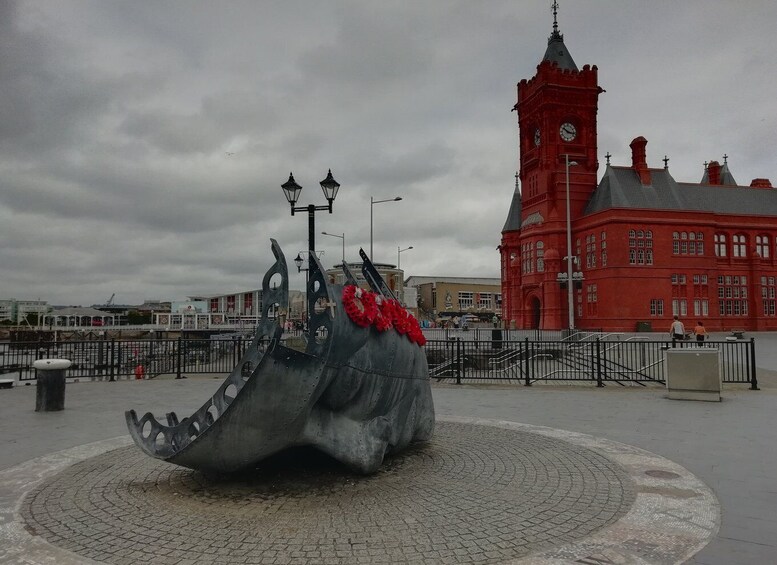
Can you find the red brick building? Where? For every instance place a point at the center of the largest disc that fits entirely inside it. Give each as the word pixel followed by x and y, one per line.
pixel 644 246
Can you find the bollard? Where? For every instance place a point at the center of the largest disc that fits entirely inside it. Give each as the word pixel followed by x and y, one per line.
pixel 50 393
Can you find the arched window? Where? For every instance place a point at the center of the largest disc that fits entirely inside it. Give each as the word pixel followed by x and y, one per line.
pixel 540 257
pixel 762 245
pixel 720 245
pixel 738 246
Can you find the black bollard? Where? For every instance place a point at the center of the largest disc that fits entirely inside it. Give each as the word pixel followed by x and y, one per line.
pixel 496 339
pixel 50 393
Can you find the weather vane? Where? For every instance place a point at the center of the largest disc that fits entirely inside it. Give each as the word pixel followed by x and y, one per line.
pixel 554 9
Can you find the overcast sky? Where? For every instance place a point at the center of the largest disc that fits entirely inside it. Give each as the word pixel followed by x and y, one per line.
pixel 143 144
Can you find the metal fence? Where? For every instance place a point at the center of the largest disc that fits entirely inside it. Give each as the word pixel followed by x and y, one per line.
pixel 122 359
pixel 586 358
pixel 516 357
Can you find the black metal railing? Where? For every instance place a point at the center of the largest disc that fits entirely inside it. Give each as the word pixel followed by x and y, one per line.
pixel 491 356
pixel 121 359
pixel 632 361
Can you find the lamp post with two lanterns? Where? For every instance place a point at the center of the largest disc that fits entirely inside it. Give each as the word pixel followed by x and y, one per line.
pixel 292 190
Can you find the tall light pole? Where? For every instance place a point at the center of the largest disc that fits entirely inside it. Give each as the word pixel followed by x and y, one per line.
pixel 399 269
pixel 291 190
pixel 399 252
pixel 372 203
pixel 570 283
pixel 338 236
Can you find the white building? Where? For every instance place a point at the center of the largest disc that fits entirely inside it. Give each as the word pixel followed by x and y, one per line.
pixel 16 311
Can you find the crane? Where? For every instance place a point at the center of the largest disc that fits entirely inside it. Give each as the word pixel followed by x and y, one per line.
pixel 110 300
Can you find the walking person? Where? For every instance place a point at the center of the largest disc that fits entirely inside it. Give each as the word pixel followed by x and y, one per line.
pixel 677 331
pixel 700 332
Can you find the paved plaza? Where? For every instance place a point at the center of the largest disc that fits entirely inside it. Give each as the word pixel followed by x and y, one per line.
pixel 619 475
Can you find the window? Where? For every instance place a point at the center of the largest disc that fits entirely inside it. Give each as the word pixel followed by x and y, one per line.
pixel 732 295
pixel 720 245
pixel 485 301
pixel 687 243
pixel 591 300
pixel 656 307
pixel 465 300
pixel 527 258
pixel 641 240
pixel 768 293
pixel 590 251
pixel 540 255
pixel 738 248
pixel 762 245
pixel 701 308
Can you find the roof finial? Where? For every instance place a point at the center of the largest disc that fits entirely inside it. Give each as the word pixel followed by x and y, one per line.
pixel 517 182
pixel 608 158
pixel 705 165
pixel 666 162
pixel 725 159
pixel 554 9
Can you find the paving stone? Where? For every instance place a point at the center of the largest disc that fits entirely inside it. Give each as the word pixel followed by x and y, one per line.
pixel 449 498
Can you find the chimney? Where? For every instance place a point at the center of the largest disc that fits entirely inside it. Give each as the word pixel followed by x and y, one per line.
pixel 761 183
pixel 713 173
pixel 638 159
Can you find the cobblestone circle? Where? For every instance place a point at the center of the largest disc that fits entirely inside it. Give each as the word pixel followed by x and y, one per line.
pixel 474 494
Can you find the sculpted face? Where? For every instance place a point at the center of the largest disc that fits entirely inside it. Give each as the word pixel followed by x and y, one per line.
pixel 355 393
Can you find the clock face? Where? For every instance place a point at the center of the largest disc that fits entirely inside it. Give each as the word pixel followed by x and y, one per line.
pixel 537 136
pixel 567 131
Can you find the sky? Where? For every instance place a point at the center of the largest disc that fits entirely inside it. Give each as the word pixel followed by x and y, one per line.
pixel 143 144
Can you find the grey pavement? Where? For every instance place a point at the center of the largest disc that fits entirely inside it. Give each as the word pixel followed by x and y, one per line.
pixel 728 445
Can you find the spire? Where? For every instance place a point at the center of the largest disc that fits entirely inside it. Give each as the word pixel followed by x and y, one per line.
pixel 513 222
pixel 557 52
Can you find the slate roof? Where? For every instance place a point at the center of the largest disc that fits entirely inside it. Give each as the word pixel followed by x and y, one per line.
pixel 514 214
pixel 725 176
pixel 620 187
pixel 557 52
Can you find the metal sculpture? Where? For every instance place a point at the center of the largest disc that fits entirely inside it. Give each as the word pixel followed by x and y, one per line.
pixel 355 393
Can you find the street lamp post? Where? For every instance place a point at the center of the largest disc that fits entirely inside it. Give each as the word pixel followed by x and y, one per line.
pixel 399 252
pixel 291 190
pixel 570 283
pixel 338 236
pixel 399 269
pixel 372 203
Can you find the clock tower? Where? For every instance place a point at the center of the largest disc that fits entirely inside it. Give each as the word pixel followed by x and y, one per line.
pixel 557 124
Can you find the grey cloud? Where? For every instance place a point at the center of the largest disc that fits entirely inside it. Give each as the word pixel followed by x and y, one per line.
pixel 142 145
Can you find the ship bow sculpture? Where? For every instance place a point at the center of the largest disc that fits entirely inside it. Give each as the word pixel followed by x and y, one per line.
pixel 358 390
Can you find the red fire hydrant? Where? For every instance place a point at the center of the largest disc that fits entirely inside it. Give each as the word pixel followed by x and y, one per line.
pixel 139 373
